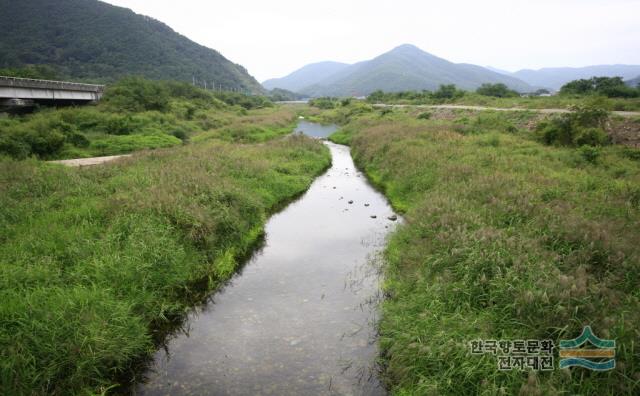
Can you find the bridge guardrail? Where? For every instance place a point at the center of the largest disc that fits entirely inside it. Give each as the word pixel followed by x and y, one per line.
pixel 49 84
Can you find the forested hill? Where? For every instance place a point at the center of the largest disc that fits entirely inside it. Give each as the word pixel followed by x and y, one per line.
pixel 94 41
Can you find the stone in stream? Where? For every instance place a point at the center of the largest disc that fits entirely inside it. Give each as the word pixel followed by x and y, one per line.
pixel 350 202
pixel 374 216
pixel 366 204
pixel 393 217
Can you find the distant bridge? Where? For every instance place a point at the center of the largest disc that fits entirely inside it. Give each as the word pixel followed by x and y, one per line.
pixel 17 92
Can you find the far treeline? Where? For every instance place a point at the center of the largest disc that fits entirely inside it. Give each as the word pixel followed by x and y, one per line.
pixel 623 97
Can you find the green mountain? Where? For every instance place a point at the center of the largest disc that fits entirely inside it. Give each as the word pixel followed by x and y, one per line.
pixel 308 75
pixel 556 77
pixel 406 68
pixel 93 41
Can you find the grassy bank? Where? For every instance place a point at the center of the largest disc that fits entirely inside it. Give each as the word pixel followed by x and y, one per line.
pixel 135 114
pixel 94 262
pixel 505 238
pixel 534 102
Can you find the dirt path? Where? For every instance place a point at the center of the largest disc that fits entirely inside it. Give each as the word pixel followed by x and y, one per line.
pixel 89 161
pixel 482 108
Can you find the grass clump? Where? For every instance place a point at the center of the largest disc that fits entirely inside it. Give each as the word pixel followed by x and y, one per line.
pixel 505 238
pixel 95 263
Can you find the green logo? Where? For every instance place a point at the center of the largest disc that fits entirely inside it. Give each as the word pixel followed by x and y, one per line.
pixel 572 355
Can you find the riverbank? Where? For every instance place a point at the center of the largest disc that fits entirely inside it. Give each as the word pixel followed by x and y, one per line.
pixel 505 238
pixel 96 261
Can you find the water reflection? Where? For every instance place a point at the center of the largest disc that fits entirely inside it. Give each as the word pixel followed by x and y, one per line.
pixel 315 130
pixel 300 318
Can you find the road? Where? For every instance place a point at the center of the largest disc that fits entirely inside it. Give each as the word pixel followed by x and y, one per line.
pixel 89 161
pixel 482 108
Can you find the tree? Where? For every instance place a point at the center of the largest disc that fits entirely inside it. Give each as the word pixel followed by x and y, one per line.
pixel 497 90
pixel 613 87
pixel 448 91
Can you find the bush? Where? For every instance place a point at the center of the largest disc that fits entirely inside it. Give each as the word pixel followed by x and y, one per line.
pixel 448 92
pixel 583 126
pixel 612 87
pixel 590 137
pixel 323 103
pixel 119 125
pixel 136 94
pixel 424 116
pixel 497 90
pixel 590 154
pixel 385 110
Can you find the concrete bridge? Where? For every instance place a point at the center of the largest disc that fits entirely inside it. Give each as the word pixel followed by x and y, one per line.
pixel 17 92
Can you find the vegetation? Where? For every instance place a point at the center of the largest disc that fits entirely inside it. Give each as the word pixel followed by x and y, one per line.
pixel 280 95
pixel 95 41
pixel 531 101
pixel 497 90
pixel 612 87
pixel 585 126
pixel 39 72
pixel 504 238
pixel 135 114
pixel 97 263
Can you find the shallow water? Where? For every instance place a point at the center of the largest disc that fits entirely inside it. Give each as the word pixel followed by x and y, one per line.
pixel 300 317
pixel 316 130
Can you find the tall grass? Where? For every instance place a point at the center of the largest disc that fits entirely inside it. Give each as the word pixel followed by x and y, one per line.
pixel 95 262
pixel 505 238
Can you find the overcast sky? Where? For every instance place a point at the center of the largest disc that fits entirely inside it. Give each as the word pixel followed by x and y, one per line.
pixel 272 38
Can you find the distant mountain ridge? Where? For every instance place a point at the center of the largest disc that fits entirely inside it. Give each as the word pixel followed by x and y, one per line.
pixel 308 75
pixel 556 77
pixel 94 41
pixel 403 68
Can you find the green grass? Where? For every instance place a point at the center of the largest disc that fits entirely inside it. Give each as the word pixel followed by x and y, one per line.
pixel 534 102
pixel 505 238
pixel 95 263
pixel 137 114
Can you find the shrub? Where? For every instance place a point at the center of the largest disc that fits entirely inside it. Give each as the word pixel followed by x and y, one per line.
pixel 323 103
pixel 117 125
pixel 583 126
pixel 496 90
pixel 590 137
pixel 385 110
pixel 612 87
pixel 136 94
pixel 448 92
pixel 590 154
pixel 424 116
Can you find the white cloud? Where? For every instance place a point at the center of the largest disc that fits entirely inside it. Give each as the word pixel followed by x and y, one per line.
pixel 274 37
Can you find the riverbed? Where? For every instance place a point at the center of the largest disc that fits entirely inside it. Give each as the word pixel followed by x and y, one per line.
pixel 300 318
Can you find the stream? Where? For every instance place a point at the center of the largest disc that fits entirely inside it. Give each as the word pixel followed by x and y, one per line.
pixel 300 317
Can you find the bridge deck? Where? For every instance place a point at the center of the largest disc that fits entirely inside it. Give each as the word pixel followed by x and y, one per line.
pixel 26 88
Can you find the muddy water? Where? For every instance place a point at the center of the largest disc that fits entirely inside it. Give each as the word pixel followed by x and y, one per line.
pixel 300 317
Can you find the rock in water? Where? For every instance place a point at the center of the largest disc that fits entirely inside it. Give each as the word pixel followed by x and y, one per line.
pixel 393 217
pixel 374 216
